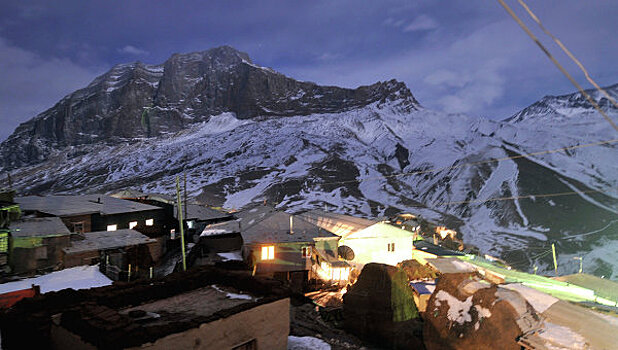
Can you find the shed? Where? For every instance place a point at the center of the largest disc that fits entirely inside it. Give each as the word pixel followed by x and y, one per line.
pixel 36 244
pixel 114 250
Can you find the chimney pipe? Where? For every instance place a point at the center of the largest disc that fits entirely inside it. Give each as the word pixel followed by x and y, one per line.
pixel 291 225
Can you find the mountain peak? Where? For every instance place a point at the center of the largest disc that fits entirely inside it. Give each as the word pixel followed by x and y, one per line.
pixel 225 54
pixel 563 106
pixel 137 100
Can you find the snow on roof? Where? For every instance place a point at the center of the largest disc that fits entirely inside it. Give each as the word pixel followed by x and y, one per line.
pixel 234 255
pixel 81 277
pixel 539 300
pixel 451 265
pixel 221 228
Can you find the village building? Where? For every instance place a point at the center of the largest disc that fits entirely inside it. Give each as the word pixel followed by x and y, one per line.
pixel 288 247
pixel 35 244
pixel 221 237
pixel 368 240
pixel 197 217
pixel 205 308
pixel 96 213
pixel 9 211
pixel 121 254
pixel 91 213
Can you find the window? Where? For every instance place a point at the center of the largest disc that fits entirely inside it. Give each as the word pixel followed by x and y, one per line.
pixel 78 227
pixel 306 252
pixel 4 242
pixel 268 252
pixel 391 247
pixel 250 345
pixel 149 222
pixel 113 227
pixel 132 225
pixel 190 224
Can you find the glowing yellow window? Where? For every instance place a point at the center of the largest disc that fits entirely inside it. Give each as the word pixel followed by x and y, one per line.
pixel 268 252
pixel 149 222
pixel 132 224
pixel 112 227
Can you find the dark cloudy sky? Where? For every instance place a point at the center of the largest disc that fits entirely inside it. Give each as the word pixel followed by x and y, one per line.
pixel 457 56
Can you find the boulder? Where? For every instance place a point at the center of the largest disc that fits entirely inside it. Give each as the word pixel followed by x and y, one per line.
pixel 380 308
pixel 465 312
pixel 416 271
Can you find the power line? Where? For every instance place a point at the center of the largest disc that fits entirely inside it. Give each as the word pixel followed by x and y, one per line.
pixel 462 165
pixel 571 56
pixel 557 64
pixel 542 195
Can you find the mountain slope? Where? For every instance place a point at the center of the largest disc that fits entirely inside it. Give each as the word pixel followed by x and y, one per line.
pixel 138 100
pixel 371 151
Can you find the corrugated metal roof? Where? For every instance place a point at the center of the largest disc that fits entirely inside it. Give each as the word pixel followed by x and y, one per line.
pixel 103 240
pixel 340 224
pixel 435 249
pixel 38 227
pixel 221 228
pixel 274 227
pixel 81 205
pixel 200 212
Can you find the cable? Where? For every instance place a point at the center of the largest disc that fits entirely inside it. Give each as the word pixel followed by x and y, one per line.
pixel 577 62
pixel 542 195
pixel 566 74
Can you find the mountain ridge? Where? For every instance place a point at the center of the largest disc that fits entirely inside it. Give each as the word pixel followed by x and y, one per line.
pixel 138 100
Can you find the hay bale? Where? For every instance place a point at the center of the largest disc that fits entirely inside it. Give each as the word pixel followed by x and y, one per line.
pixel 467 313
pixel 380 308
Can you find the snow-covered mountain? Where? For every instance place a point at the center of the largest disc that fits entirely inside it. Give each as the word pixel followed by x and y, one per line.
pixel 245 133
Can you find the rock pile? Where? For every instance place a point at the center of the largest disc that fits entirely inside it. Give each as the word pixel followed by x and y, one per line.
pixel 465 312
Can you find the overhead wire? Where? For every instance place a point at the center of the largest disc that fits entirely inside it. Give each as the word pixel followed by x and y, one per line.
pixel 462 165
pixel 557 64
pixel 528 196
pixel 565 50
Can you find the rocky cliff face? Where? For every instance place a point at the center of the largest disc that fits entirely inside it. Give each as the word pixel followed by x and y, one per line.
pixel 139 101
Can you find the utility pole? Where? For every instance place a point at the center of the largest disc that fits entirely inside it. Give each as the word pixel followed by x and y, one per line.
pixel 185 176
pixel 182 228
pixel 553 249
